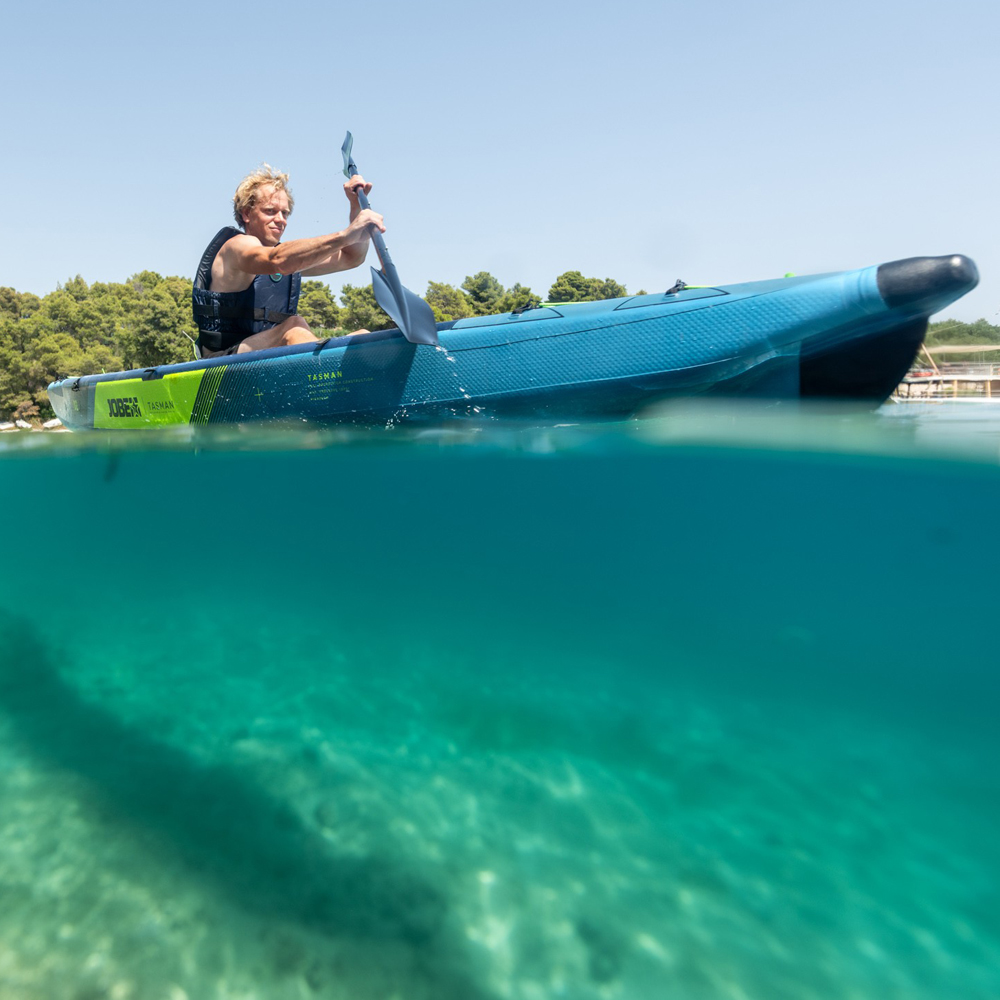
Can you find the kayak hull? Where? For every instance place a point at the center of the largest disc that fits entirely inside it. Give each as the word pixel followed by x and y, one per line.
pixel 849 335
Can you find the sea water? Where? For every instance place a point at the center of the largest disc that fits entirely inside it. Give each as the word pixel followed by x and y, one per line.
pixel 703 706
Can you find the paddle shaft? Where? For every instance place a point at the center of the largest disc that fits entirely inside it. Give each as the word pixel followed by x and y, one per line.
pixel 409 312
pixel 380 248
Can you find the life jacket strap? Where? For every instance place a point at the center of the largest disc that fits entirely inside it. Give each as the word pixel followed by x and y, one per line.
pixel 223 310
pixel 271 316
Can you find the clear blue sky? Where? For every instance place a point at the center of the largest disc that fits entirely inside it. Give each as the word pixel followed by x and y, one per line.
pixel 714 142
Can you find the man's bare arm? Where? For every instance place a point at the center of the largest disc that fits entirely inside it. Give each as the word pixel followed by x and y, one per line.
pixel 248 255
pixel 342 260
pixel 353 255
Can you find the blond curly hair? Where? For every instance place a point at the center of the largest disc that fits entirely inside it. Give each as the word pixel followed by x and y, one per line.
pixel 246 193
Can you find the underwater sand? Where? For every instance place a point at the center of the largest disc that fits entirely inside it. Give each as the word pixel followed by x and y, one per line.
pixel 694 710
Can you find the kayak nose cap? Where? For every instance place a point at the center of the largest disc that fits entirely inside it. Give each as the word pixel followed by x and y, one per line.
pixel 916 280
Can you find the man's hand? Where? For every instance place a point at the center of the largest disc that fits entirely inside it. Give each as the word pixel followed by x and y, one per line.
pixel 351 189
pixel 359 229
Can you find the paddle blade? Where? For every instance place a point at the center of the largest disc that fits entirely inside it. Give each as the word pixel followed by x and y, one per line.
pixel 409 312
pixel 346 151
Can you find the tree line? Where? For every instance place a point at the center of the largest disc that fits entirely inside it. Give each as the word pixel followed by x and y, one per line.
pixel 954 331
pixel 146 321
pixel 81 329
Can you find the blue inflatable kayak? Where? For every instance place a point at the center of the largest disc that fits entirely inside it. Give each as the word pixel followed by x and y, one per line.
pixel 850 335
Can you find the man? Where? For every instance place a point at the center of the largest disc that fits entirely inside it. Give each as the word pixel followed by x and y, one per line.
pixel 247 288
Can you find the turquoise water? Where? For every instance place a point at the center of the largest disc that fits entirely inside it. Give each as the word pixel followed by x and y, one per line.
pixel 702 707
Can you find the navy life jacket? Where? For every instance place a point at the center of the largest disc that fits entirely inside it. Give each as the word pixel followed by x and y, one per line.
pixel 226 318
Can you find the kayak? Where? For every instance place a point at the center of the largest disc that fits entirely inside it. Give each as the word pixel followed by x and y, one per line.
pixel 848 335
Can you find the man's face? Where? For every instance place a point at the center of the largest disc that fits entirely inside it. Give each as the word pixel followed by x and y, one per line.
pixel 268 217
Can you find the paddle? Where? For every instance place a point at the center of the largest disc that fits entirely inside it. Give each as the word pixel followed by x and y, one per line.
pixel 409 312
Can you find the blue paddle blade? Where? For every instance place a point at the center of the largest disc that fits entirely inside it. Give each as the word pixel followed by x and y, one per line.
pixel 408 311
pixel 346 152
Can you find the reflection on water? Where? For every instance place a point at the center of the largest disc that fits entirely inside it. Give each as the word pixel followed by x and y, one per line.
pixel 701 707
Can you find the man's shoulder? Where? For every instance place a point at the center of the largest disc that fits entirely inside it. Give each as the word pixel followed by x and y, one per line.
pixel 225 236
pixel 237 238
pixel 218 256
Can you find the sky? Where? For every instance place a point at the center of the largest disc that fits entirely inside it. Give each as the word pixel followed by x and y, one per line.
pixel 716 142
